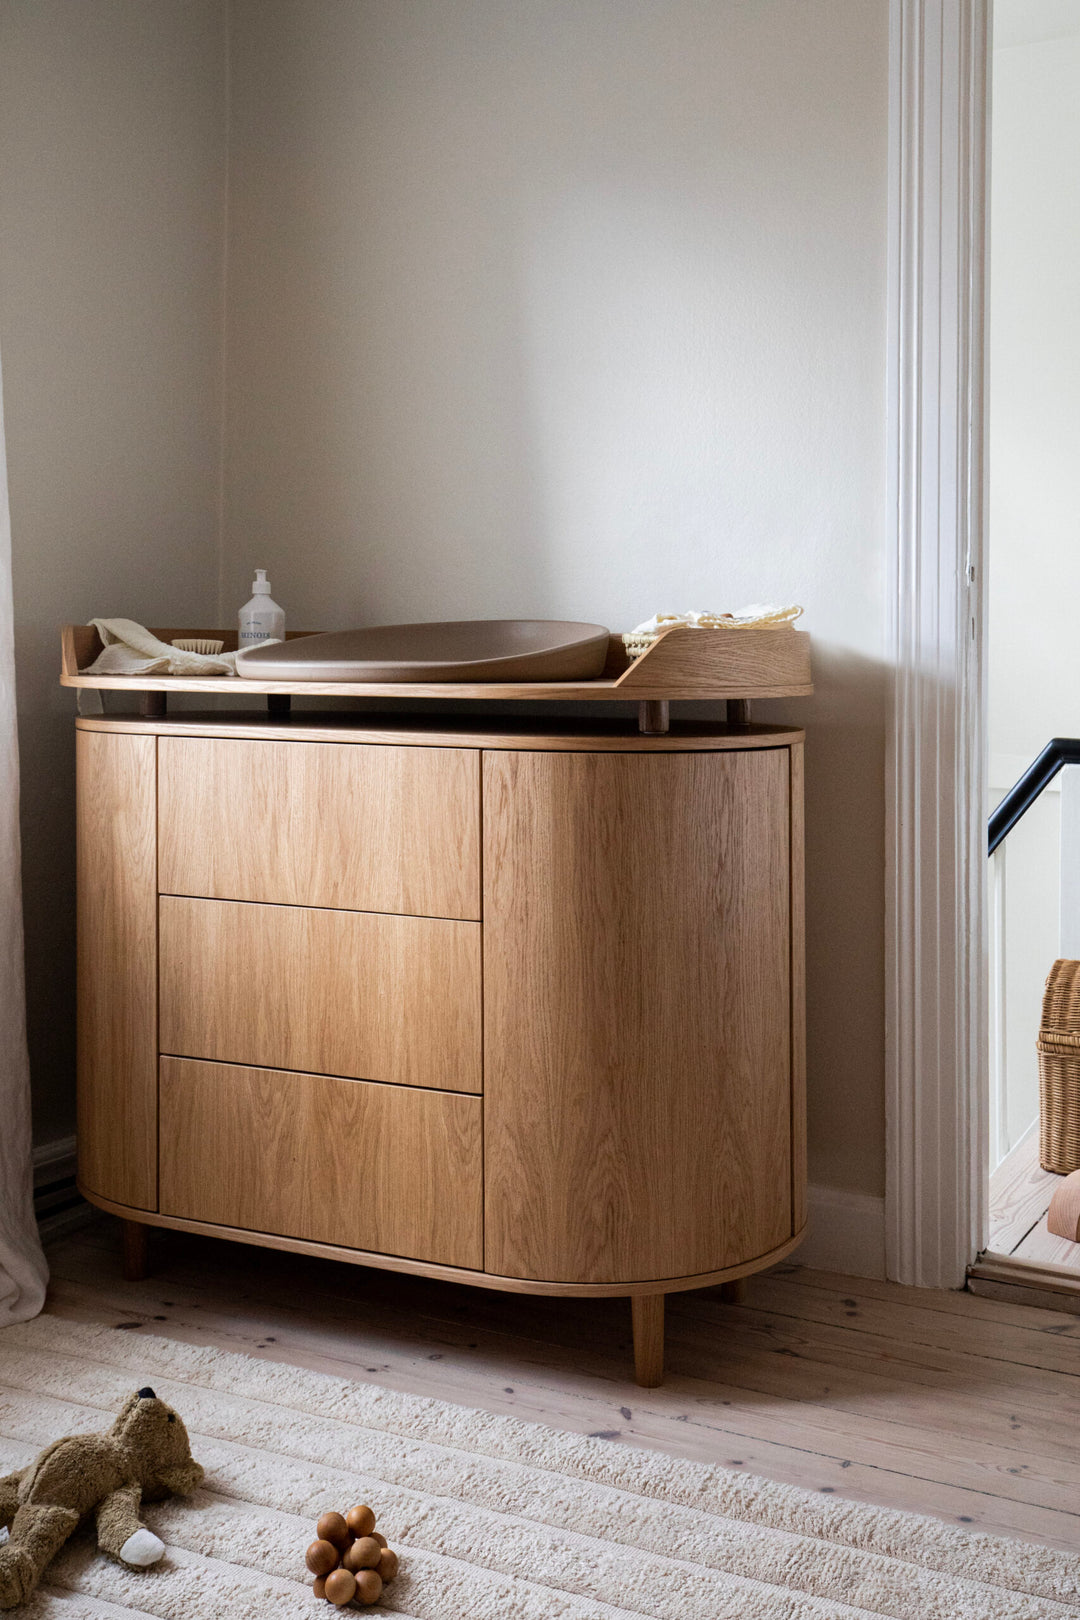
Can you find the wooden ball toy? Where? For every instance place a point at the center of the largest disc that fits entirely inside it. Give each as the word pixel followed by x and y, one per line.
pixel 319 1589
pixel 381 1539
pixel 322 1557
pixel 363 1554
pixel 332 1527
pixel 360 1520
pixel 368 1586
pixel 340 1587
pixel 387 1565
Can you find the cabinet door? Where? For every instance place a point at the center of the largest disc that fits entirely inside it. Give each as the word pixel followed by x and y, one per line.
pixel 337 992
pixel 117 966
pixel 637 987
pixel 371 1167
pixel 365 827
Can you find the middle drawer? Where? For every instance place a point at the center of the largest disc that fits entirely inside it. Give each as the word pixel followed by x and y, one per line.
pixel 361 994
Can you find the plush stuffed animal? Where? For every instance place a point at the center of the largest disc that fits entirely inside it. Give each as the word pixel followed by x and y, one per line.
pixel 144 1457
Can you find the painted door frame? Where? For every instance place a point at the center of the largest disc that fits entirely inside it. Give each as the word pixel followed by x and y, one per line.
pixel 937 1101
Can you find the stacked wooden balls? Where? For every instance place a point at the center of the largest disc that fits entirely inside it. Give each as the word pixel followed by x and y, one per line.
pixel 350 1560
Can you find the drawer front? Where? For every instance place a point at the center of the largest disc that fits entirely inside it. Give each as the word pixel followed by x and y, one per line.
pixel 365 1166
pixel 336 992
pixel 358 826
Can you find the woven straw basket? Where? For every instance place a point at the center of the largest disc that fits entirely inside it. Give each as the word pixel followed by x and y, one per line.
pixel 1059 1070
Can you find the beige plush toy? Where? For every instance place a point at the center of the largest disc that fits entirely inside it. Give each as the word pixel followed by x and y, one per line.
pixel 144 1457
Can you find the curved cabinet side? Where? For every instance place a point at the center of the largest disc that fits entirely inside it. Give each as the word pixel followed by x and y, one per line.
pixel 116 778
pixel 637 970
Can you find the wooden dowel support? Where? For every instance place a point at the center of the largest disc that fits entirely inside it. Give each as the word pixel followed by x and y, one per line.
pixel 136 1238
pixel 153 705
pixel 278 702
pixel 648 1317
pixel 738 711
pixel 734 1293
pixel 654 718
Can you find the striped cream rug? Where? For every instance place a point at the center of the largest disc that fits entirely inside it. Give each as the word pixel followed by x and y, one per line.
pixel 495 1519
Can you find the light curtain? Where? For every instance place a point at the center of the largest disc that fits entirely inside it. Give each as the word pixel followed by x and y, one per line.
pixel 23 1273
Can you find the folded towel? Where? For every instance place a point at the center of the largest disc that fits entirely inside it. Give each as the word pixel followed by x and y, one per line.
pixel 130 649
pixel 758 613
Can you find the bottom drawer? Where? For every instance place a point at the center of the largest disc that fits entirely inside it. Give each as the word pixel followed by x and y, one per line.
pixel 381 1167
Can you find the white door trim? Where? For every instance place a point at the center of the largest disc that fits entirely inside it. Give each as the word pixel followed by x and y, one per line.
pixel 936 1080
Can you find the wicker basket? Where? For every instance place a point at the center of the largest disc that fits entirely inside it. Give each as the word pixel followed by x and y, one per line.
pixel 1058 1047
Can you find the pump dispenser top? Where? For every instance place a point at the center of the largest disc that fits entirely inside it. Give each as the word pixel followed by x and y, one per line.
pixel 261 619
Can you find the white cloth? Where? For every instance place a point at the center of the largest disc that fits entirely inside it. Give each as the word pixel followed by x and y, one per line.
pixel 130 649
pixel 23 1273
pixel 758 613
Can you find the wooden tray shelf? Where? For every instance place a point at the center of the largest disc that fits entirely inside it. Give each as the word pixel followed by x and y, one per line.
pixel 682 664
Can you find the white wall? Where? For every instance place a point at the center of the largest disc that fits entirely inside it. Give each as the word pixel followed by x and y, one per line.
pixel 1034 511
pixel 112 161
pixel 578 310
pixel 1034 663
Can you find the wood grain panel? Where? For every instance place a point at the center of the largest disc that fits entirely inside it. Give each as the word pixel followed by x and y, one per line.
pixel 117 966
pixel 428 1268
pixel 721 663
pixel 574 735
pixel 306 1156
pixel 321 824
pixel 637 991
pixel 335 992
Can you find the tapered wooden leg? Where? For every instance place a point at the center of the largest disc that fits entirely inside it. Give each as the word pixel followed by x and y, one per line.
pixel 136 1251
pixel 648 1315
pixel 734 1293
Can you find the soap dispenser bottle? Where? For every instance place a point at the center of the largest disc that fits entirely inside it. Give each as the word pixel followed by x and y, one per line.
pixel 261 619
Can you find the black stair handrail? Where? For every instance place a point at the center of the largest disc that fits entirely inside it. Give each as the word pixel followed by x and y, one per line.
pixel 1040 773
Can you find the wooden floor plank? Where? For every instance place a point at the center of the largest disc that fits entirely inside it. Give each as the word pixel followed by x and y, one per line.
pixel 800 1391
pixel 1042 1247
pixel 728 1336
pixel 1054 1348
pixel 1008 1394
pixel 1030 1388
pixel 1020 1193
pixel 957 1302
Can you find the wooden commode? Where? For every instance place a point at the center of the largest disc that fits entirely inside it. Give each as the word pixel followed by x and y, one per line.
pixel 512 1003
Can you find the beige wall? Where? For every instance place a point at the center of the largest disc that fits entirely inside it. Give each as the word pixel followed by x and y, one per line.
pixel 579 310
pixel 531 309
pixel 112 148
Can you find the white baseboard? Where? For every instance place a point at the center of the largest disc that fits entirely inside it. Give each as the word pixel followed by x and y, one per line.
pixel 845 1232
pixel 54 1159
pixel 57 1203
